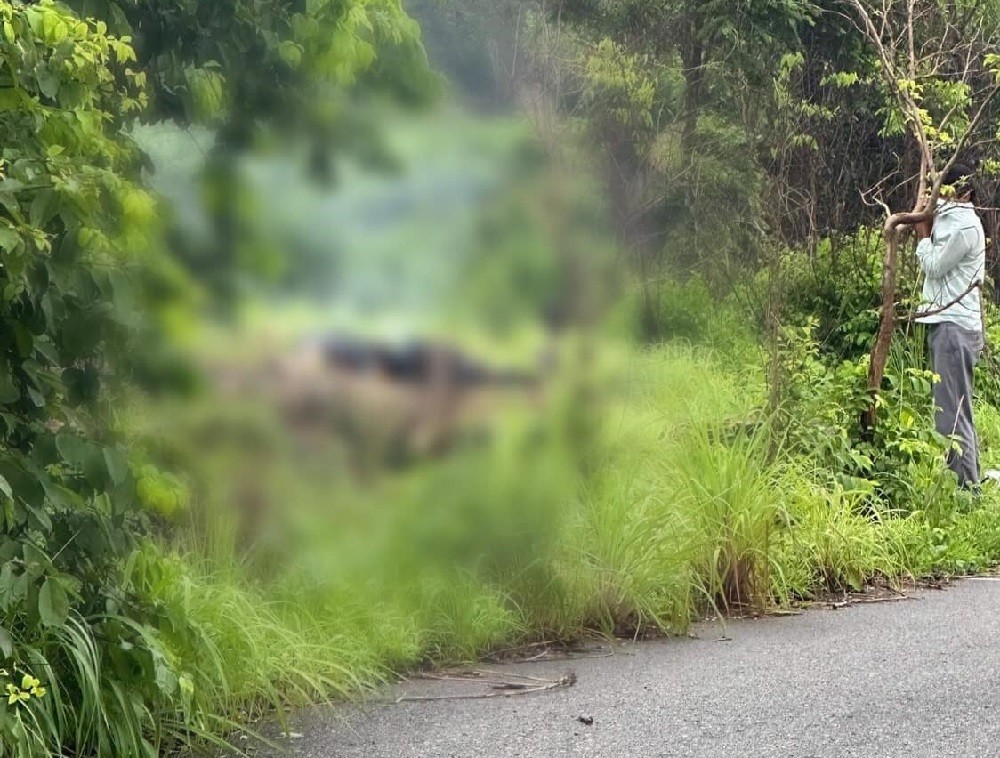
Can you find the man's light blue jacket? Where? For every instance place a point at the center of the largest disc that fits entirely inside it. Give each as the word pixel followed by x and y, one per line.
pixel 952 258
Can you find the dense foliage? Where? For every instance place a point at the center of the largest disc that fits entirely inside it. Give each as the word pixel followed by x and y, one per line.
pixel 722 130
pixel 73 231
pixel 91 662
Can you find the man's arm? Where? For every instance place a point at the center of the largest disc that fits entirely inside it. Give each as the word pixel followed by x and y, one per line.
pixel 924 228
pixel 938 257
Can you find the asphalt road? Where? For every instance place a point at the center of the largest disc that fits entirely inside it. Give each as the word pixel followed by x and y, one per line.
pixel 915 678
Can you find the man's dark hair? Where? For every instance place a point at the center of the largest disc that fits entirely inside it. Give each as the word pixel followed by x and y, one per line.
pixel 962 178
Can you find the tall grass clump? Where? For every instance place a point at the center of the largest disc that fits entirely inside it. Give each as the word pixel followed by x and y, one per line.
pixel 630 559
pixel 727 492
pixel 827 541
pixel 675 517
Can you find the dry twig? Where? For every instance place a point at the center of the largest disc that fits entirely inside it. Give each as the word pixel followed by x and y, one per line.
pixel 500 688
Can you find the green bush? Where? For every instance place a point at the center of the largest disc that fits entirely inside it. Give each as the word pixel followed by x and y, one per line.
pixel 838 286
pixel 987 373
pixel 900 464
pixel 828 542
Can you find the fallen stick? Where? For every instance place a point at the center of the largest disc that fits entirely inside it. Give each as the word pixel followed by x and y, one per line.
pixel 567 681
pixel 476 675
pixel 893 599
pixel 552 651
pixel 839 604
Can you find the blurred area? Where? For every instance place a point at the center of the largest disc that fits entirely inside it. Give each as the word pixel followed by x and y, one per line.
pixel 393 353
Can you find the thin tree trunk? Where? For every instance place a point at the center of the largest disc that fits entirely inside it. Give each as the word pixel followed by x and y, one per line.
pixel 887 320
pixel 692 58
pixel 775 370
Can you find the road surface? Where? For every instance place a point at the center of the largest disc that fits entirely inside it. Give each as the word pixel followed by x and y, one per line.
pixel 914 678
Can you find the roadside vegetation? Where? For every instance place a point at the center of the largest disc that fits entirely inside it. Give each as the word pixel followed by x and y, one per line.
pixel 660 219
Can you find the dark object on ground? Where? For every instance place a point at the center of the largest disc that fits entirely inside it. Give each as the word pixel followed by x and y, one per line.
pixel 385 405
pixel 416 361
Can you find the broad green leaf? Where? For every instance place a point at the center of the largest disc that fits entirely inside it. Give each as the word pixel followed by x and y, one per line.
pixel 114 459
pixel 9 393
pixel 6 643
pixel 49 83
pixel 9 239
pixel 74 449
pixel 43 208
pixel 53 603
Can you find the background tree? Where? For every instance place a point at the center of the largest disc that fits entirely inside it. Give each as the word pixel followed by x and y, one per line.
pixel 941 78
pixel 246 68
pixel 73 231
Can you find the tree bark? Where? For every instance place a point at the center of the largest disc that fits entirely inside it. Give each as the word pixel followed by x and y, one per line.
pixel 692 58
pixel 887 320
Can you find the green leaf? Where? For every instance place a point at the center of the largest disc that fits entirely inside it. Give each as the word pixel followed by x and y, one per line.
pixel 86 457
pixel 43 208
pixel 290 53
pixel 19 587
pixel 9 239
pixel 25 484
pixel 166 679
pixel 5 487
pixel 8 586
pixel 6 643
pixel 24 340
pixel 73 449
pixel 9 393
pixel 48 82
pixel 35 559
pixel 114 459
pixel 41 518
pixel 44 345
pixel 53 603
pixel 10 99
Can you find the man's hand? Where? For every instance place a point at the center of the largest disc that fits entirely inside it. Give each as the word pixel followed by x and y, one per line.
pixel 924 228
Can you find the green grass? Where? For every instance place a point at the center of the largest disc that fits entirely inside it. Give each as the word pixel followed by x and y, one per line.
pixel 642 513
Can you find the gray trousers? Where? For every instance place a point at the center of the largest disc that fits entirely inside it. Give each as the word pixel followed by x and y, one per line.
pixel 954 353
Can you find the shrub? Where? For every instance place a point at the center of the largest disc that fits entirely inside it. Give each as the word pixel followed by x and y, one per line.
pixel 900 467
pixel 838 286
pixel 75 269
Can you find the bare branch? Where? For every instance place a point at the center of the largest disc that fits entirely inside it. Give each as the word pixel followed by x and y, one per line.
pixel 914 315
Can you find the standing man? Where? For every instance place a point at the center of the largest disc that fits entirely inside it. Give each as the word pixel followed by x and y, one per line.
pixel 952 254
